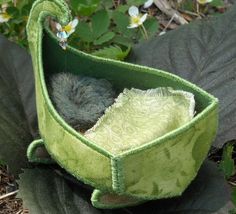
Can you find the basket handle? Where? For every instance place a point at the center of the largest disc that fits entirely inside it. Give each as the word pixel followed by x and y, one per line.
pixel 40 10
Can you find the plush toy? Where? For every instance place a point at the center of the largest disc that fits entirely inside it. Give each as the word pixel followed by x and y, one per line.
pixel 80 100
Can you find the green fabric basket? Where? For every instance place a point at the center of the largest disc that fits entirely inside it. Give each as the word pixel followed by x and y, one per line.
pixel 162 168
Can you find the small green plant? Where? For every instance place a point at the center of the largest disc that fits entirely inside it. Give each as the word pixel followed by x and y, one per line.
pixel 233 195
pixel 2 162
pixel 16 16
pixel 228 168
pixel 227 162
pixel 102 29
pixel 201 7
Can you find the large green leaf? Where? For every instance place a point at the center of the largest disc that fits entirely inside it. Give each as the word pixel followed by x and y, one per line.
pixel 104 38
pixel 100 23
pixel 17 105
pixel 204 53
pixel 122 21
pixel 84 31
pixel 44 192
pixel 206 194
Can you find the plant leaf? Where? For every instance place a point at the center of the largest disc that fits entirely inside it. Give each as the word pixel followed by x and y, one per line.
pixel 227 162
pixel 208 193
pixel 85 7
pixel 17 105
pixel 100 23
pixel 122 40
pixel 104 38
pixel 204 53
pixel 43 192
pixel 4 1
pixel 135 2
pixel 122 21
pixel 122 8
pixel 152 26
pixel 234 196
pixel 112 52
pixel 84 32
pixel 217 3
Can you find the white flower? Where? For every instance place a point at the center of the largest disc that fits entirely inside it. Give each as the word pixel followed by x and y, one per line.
pixel 4 7
pixel 162 33
pixel 63 33
pixel 4 17
pixel 204 1
pixel 148 3
pixel 136 19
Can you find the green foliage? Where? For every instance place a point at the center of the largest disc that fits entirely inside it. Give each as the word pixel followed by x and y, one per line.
pixel 104 38
pixel 233 199
pixel 100 23
pixel 122 21
pixel 4 1
pixel 210 8
pixel 187 5
pixel 2 162
pixel 44 191
pixel 85 32
pixel 233 194
pixel 102 26
pixel 136 2
pixel 84 7
pixel 227 163
pixel 151 26
pixel 217 3
pixel 104 32
pixel 14 29
pixel 112 52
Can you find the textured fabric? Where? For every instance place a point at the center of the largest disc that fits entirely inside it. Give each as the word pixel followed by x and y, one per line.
pixel 80 100
pixel 140 116
pixel 177 160
pixel 107 200
pixel 158 169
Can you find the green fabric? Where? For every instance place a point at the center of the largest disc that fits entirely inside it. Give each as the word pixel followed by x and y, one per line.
pixel 140 116
pixel 161 168
pixel 36 154
pixel 177 160
pixel 106 200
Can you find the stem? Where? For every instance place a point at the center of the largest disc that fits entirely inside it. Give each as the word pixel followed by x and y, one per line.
pixel 87 46
pixel 114 3
pixel 142 32
pixel 197 8
pixel 8 194
pixel 145 34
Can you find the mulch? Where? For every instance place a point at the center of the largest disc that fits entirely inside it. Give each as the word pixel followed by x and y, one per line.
pixel 9 204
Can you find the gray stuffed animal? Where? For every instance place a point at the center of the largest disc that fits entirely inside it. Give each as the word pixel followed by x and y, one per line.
pixel 80 100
